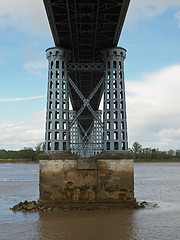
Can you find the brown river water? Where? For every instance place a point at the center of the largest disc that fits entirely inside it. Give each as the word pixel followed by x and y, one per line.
pixel 157 183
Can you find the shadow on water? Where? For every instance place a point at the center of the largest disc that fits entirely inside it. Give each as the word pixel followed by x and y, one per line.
pixel 89 225
pixel 121 224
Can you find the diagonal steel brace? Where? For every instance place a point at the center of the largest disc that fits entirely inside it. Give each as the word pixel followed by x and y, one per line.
pixel 85 132
pixel 86 101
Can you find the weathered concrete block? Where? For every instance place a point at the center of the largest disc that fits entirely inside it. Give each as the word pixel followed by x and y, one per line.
pixel 86 180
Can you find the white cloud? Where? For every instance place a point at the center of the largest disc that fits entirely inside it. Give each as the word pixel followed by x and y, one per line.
pixel 153 109
pixel 35 61
pixel 143 9
pixel 177 16
pixel 36 67
pixel 17 135
pixel 21 99
pixel 27 16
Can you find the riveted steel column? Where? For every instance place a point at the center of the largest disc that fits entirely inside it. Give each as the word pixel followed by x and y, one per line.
pixel 73 132
pixel 57 116
pixel 115 124
pixel 75 136
pixel 94 144
pixel 97 135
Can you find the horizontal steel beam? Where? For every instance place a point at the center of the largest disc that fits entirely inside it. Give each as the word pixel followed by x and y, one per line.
pixel 86 67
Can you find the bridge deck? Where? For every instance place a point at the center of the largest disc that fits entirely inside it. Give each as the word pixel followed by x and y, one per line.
pixel 86 27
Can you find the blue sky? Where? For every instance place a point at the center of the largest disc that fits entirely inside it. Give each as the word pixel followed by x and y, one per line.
pixel 151 35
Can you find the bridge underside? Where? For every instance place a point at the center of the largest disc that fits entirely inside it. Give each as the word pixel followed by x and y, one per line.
pixel 84 65
pixel 84 29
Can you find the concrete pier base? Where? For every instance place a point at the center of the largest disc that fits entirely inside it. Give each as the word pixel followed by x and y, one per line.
pixel 67 179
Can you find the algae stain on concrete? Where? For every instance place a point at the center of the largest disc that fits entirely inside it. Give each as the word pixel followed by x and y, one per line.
pixel 86 181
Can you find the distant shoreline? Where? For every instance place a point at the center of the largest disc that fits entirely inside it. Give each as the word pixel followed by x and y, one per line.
pixel 17 161
pixel 136 161
pixel 157 160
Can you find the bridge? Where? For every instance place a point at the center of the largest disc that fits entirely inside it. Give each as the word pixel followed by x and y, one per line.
pixel 84 66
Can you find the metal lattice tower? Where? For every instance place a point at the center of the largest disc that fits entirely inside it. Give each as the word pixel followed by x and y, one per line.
pixel 115 124
pixel 57 117
pixel 85 66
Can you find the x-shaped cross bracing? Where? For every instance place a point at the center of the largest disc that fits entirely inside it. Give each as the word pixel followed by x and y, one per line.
pixel 86 101
pixel 85 132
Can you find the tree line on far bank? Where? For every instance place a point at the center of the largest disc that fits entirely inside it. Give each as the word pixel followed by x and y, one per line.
pixel 26 154
pixel 140 153
pixel 153 153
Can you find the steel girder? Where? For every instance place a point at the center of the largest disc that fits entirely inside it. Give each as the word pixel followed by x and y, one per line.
pixel 85 27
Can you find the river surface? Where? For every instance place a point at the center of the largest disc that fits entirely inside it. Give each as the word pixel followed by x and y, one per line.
pixel 157 183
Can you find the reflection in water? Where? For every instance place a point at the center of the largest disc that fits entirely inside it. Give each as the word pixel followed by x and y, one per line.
pixel 154 182
pixel 86 225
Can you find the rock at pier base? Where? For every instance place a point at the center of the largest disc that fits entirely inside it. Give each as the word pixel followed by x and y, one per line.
pixel 105 180
pixel 33 206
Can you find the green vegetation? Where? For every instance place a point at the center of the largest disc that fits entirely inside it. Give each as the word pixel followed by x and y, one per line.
pixel 26 154
pixel 153 155
pixel 137 152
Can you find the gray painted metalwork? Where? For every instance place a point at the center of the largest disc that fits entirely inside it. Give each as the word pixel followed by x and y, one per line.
pixel 95 139
pixel 80 74
pixel 86 143
pixel 57 115
pixel 63 134
pixel 115 124
pixel 86 66
pixel 86 101
pixel 85 28
pixel 86 118
pixel 76 143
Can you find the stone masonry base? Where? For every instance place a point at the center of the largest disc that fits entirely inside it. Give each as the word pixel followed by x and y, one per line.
pixel 64 180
